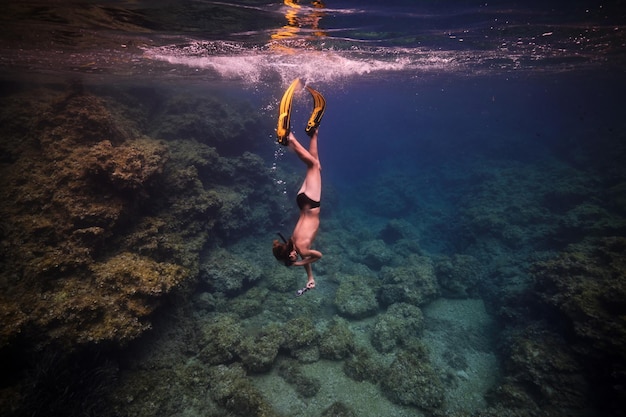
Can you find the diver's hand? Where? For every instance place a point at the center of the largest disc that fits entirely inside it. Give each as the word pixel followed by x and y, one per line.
pixel 310 284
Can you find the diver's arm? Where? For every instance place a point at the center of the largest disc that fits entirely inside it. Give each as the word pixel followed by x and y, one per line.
pixel 308 257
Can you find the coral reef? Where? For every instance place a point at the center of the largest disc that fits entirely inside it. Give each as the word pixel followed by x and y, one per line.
pixel 355 298
pixel 414 282
pixel 398 326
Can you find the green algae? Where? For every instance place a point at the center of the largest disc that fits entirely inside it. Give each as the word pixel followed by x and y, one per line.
pixel 304 385
pixel 337 341
pixel 258 353
pixel 414 282
pixel 231 389
pixel 398 326
pixel 412 380
pixel 355 298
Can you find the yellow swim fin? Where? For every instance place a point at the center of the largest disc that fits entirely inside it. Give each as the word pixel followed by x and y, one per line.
pixel 319 105
pixel 284 114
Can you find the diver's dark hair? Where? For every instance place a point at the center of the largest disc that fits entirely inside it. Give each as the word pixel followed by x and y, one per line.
pixel 282 250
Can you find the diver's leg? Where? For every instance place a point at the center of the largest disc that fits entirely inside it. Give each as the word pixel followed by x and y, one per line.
pixel 313 145
pixel 312 185
pixel 304 155
pixel 310 280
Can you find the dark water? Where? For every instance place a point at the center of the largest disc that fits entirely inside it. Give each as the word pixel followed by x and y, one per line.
pixel 465 142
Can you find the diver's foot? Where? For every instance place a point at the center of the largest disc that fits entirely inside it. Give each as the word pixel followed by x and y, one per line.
pixel 284 140
pixel 319 105
pixel 290 138
pixel 284 114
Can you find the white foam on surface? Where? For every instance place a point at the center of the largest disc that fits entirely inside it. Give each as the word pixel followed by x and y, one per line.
pixel 231 61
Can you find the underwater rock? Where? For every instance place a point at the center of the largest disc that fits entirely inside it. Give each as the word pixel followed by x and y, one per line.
pixel 401 323
pixel 510 396
pixel 541 372
pixel 456 360
pixel 301 339
pixel 375 254
pixel 126 167
pixel 411 380
pixel 337 342
pixel 291 371
pixel 228 196
pixel 209 119
pixel 227 273
pixel 109 306
pixel 414 282
pixel 458 276
pixel 83 260
pixel 588 219
pixel 249 199
pixel 355 298
pixel 587 285
pixel 248 304
pixel 397 229
pixel 363 366
pixel 281 279
pixel 135 275
pixel 259 352
pixel 138 280
pixel 388 195
pixel 585 288
pixel 204 301
pixel 99 222
pixel 338 409
pixel 232 390
pixel 221 339
pixel 307 354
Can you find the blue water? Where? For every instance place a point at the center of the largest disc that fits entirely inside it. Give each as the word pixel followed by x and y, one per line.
pixel 492 133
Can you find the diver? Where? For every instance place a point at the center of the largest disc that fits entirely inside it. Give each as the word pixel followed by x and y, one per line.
pixel 309 196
